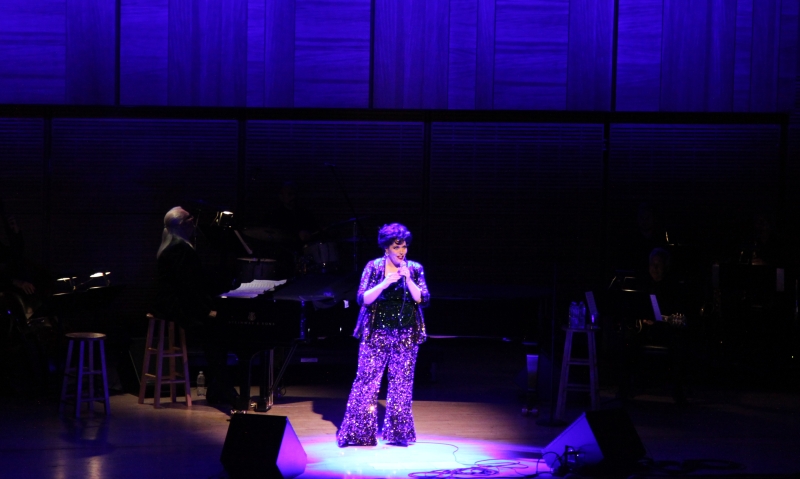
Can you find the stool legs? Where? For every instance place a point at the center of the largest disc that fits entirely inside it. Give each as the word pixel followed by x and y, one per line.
pixel 65 382
pixel 85 345
pixel 593 388
pixel 146 364
pixel 166 333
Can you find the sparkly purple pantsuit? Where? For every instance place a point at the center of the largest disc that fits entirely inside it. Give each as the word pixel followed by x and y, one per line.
pixel 382 348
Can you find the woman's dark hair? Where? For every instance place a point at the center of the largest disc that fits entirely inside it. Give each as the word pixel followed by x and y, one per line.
pixel 393 233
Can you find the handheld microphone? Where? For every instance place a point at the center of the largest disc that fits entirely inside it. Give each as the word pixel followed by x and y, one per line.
pixel 403 278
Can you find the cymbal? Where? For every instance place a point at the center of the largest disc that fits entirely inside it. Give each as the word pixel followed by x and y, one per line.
pixel 267 233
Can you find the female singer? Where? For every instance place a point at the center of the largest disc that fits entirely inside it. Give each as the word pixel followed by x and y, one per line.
pixel 392 294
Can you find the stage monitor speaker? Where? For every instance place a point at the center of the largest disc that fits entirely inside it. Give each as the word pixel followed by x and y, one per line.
pixel 604 440
pixel 261 446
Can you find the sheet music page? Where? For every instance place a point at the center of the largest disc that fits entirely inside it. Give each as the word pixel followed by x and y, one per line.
pixel 253 288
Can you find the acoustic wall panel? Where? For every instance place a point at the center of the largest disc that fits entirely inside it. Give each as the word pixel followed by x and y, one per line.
pixel 375 167
pixel 507 200
pixel 706 181
pixel 22 180
pixel 792 185
pixel 32 48
pixel 531 49
pixel 332 53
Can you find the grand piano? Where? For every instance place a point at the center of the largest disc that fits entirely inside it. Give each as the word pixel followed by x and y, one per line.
pixel 263 315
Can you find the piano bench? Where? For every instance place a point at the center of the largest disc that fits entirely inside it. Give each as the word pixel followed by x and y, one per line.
pixel 165 348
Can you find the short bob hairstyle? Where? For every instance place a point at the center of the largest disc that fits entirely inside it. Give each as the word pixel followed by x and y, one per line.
pixel 393 233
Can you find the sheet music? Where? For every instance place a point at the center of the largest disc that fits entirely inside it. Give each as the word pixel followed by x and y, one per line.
pixel 253 288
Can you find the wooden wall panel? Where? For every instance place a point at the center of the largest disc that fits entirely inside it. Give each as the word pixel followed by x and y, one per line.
pixel 765 57
pixel 270 53
pixel 91 52
pixel 722 55
pixel 256 48
pixel 462 68
pixel 684 56
pixel 32 48
pixel 207 52
pixel 412 53
pixel 673 55
pixel 531 54
pixel 743 55
pixel 589 63
pixel 484 84
pixel 332 53
pixel 788 54
pixel 144 41
pixel 698 55
pixel 639 55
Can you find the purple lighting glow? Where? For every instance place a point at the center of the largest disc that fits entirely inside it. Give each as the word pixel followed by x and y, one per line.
pixel 430 453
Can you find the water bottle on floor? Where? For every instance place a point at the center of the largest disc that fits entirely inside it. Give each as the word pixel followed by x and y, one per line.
pixel 201 385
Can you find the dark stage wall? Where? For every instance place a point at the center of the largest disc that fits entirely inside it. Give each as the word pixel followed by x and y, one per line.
pixel 489 202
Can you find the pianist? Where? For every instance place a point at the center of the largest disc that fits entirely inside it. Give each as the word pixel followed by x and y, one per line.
pixel 391 293
pixel 182 296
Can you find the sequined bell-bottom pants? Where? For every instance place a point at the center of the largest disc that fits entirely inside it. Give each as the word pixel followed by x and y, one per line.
pixel 397 350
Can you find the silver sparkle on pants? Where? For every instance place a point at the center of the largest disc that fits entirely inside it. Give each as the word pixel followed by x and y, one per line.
pixel 397 350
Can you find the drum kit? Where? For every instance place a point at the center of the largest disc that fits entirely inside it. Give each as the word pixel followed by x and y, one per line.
pixel 326 251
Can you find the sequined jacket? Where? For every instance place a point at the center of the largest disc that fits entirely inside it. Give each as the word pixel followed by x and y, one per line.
pixel 372 275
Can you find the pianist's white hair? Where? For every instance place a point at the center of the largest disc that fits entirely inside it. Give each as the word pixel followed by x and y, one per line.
pixel 173 228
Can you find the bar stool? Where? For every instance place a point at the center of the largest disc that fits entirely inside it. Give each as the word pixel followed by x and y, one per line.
pixel 162 351
pixel 81 371
pixel 593 388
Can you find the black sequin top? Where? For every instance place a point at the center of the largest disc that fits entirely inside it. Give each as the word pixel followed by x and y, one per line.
pixel 395 308
pixel 389 311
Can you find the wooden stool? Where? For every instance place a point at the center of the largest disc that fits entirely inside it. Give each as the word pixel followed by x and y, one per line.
pixel 161 351
pixel 81 371
pixel 593 388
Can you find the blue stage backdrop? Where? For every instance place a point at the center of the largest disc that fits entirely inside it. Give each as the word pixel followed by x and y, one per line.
pixel 598 55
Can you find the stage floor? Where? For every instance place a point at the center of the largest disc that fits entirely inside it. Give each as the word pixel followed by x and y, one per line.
pixel 474 418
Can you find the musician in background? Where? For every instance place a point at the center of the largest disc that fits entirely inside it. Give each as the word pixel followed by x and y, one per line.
pixel 392 293
pixel 183 296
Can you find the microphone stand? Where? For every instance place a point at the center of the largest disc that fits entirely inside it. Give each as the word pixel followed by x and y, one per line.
pixel 552 421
